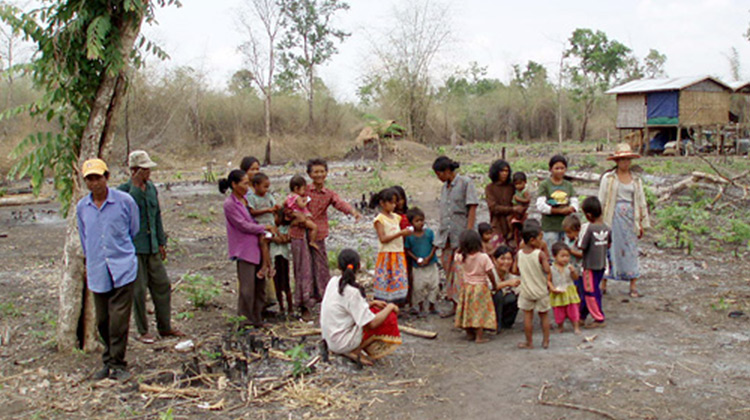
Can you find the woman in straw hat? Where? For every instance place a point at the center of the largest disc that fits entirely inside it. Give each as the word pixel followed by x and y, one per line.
pixel 626 212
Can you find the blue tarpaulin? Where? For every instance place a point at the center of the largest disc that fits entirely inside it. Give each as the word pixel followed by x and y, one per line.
pixel 663 107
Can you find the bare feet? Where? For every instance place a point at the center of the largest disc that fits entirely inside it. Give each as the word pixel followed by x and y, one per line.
pixel 470 335
pixel 545 344
pixel 481 340
pixel 560 328
pixel 527 346
pixel 596 324
pixel 359 357
pixel 577 330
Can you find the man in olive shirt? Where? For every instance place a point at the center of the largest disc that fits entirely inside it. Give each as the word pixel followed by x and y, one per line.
pixel 150 247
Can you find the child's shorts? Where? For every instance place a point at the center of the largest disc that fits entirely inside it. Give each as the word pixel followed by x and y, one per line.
pixel 539 305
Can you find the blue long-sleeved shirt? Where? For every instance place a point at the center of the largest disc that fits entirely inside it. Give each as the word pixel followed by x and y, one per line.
pixel 107 239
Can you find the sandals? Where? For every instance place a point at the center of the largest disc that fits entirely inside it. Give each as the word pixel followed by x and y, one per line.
pixel 634 294
pixel 147 339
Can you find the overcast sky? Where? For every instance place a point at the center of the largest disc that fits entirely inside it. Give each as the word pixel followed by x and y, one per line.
pixel 695 35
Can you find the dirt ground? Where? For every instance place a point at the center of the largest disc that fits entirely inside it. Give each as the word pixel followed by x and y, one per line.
pixel 673 354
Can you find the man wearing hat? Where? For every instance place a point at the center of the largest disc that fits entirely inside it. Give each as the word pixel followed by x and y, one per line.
pixel 151 249
pixel 107 223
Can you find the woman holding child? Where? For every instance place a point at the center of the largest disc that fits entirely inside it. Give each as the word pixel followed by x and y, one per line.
pixel 626 212
pixel 499 195
pixel 243 234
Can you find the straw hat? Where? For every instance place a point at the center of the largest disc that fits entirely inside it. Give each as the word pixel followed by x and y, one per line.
pixel 623 151
pixel 140 159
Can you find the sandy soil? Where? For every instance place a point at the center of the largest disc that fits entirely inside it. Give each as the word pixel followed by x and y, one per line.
pixel 673 354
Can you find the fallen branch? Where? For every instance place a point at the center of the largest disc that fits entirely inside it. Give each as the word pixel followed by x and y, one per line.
pixel 305 333
pixel 417 332
pixel 540 399
pixel 163 392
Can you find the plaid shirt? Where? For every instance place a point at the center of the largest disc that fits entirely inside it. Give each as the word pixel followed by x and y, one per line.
pixel 320 200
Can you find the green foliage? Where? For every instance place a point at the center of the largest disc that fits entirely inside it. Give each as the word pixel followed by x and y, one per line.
pixel 3 191
pixel 185 315
pixel 333 259
pixel 9 310
pixel 200 289
pixel 200 217
pixel 213 355
pixel 477 168
pixel 683 221
pixel 299 357
pixel 528 166
pixel 167 415
pixel 78 43
pixel 651 197
pixel 721 305
pixel 235 320
pixel 309 39
pixel 739 235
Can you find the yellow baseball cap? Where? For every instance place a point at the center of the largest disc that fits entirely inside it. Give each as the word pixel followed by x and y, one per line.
pixel 94 167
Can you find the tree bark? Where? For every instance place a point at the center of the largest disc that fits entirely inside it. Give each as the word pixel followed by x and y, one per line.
pixel 76 327
pixel 586 112
pixel 310 99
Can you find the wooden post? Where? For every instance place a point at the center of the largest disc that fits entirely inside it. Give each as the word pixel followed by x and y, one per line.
pixel 679 143
pixel 647 141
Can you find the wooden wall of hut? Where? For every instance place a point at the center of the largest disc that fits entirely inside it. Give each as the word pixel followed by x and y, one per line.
pixel 704 108
pixel 631 110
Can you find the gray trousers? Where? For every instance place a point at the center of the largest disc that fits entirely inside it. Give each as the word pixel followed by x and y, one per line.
pixel 252 296
pixel 152 276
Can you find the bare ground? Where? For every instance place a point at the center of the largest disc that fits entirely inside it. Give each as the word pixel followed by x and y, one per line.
pixel 674 353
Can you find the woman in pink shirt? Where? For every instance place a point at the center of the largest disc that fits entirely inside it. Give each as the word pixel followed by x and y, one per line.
pixel 243 234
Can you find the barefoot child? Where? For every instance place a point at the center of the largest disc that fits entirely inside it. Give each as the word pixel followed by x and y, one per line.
pixel 594 240
pixel 475 311
pixel 521 199
pixel 262 205
pixel 504 297
pixel 490 240
pixel 297 202
pixel 535 283
pixel 280 255
pixel 564 296
pixel 349 324
pixel 421 251
pixel 572 228
pixel 391 283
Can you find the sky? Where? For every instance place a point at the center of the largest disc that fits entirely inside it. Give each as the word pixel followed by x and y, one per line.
pixel 695 35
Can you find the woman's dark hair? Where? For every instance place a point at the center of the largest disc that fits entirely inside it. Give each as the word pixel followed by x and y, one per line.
pixel 413 213
pixel 234 177
pixel 592 205
pixel 519 177
pixel 558 158
pixel 282 213
pixel 484 227
pixel 259 178
pixel 316 162
pixel 497 167
pixel 443 163
pixel 247 162
pixel 502 250
pixel 349 264
pixel 388 194
pixel 402 195
pixel 296 182
pixel 469 242
pixel 559 246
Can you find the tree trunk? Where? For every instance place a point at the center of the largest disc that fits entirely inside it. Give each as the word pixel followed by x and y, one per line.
pixel 76 327
pixel 267 110
pixel 310 98
pixel 586 112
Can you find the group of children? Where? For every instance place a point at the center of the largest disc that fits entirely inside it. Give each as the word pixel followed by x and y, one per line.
pixel 546 269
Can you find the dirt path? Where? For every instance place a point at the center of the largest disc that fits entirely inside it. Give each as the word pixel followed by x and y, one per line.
pixel 673 354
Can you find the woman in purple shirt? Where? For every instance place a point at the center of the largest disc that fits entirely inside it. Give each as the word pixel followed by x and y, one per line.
pixel 243 234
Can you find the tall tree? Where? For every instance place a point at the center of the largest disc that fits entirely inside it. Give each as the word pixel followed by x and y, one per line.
pixel 309 41
pixel 259 53
pixel 735 65
pixel 653 64
pixel 85 48
pixel 597 62
pixel 406 58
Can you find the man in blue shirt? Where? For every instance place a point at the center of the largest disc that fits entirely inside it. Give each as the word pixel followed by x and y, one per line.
pixel 108 220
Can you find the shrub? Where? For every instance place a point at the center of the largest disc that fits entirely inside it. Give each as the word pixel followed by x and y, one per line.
pixel 201 289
